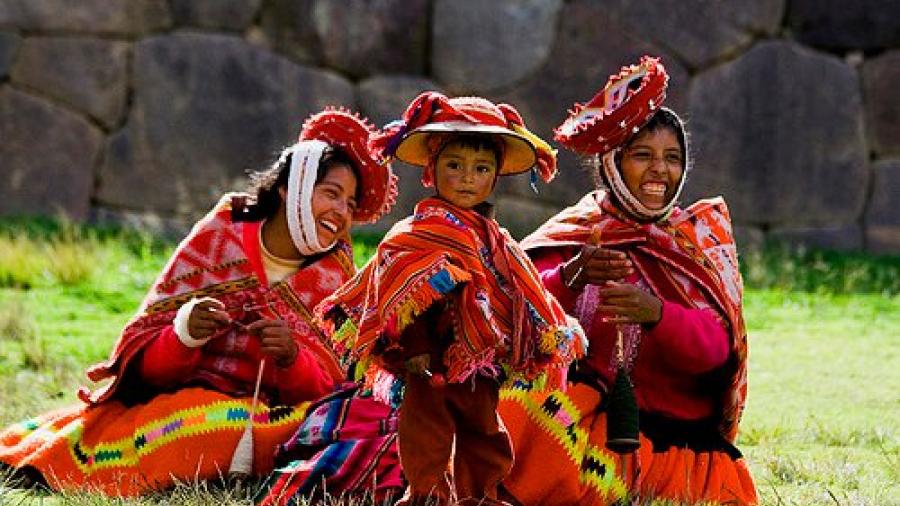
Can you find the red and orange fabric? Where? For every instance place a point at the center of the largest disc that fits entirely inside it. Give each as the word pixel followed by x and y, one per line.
pixel 120 450
pixel 107 444
pixel 503 315
pixel 689 259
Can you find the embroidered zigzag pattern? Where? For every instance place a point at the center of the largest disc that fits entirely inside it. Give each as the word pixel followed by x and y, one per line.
pixel 559 417
pixel 156 434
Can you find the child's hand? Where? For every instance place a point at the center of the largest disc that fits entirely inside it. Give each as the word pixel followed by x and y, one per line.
pixel 418 364
pixel 275 340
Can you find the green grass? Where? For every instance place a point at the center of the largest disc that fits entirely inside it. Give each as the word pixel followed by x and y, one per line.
pixel 821 425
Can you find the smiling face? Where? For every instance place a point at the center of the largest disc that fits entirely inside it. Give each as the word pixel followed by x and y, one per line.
pixel 465 176
pixel 333 203
pixel 652 167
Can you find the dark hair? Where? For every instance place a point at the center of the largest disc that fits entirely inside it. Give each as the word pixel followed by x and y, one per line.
pixel 477 142
pixel 664 119
pixel 263 201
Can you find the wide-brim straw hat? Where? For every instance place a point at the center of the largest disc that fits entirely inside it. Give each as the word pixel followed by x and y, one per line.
pixel 469 115
pixel 518 153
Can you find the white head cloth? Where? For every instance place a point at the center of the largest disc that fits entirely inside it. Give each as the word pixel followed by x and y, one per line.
pixel 305 156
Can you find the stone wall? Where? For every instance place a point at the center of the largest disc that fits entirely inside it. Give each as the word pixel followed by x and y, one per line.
pixel 146 110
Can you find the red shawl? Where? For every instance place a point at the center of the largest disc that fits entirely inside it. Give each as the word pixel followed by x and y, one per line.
pixel 502 313
pixel 221 259
pixel 696 242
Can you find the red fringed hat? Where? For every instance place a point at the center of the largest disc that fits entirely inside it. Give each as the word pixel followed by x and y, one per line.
pixel 627 102
pixel 433 113
pixel 351 133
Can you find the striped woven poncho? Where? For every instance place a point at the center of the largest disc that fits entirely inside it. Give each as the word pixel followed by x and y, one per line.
pixel 503 316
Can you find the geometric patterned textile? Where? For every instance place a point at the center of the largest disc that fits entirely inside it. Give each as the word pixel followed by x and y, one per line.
pixel 189 435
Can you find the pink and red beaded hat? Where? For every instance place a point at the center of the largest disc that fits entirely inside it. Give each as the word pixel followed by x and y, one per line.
pixel 627 102
pixel 349 132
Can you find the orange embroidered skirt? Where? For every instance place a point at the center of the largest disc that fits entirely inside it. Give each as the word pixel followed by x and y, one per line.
pixel 561 459
pixel 185 436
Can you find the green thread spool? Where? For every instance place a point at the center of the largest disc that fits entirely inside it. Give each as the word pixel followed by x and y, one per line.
pixel 621 410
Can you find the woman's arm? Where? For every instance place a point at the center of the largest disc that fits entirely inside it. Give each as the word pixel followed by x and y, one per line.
pixel 166 361
pixel 690 340
pixel 176 351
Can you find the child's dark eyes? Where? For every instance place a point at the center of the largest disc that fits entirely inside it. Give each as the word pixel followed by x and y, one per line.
pixel 484 169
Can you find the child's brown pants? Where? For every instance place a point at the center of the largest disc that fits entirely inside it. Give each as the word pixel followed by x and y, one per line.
pixel 429 419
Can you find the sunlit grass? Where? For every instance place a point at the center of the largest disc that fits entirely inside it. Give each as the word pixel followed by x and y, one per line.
pixel 822 424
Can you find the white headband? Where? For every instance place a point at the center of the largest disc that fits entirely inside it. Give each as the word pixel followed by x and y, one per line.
pixel 305 156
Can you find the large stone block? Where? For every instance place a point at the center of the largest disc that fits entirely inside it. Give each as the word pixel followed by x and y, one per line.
pixel 9 45
pixel 842 25
pixel 288 27
pixel 113 17
pixel 582 59
pixel 698 31
pixel 883 211
pixel 357 37
pixel 90 75
pixel 521 216
pixel 384 98
pixel 206 109
pixel 479 46
pixel 48 157
pixel 880 77
pixel 225 14
pixel 365 37
pixel 779 133
pixel 846 237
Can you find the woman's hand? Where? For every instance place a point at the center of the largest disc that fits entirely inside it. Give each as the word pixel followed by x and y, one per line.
pixel 207 317
pixel 418 364
pixel 595 264
pixel 275 341
pixel 627 303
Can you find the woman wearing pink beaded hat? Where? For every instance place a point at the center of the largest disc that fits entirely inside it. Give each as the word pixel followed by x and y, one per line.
pixel 658 292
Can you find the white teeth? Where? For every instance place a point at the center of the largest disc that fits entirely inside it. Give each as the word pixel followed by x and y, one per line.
pixel 331 227
pixel 654 188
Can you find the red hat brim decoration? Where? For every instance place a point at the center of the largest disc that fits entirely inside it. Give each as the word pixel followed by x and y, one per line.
pixel 351 134
pixel 627 102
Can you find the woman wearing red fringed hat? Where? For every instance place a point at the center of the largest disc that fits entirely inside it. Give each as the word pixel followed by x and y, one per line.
pixel 653 410
pixel 220 361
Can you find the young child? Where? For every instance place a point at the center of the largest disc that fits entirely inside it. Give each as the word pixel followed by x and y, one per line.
pixel 451 295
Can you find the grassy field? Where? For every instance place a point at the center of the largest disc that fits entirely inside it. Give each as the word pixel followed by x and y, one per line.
pixel 822 425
